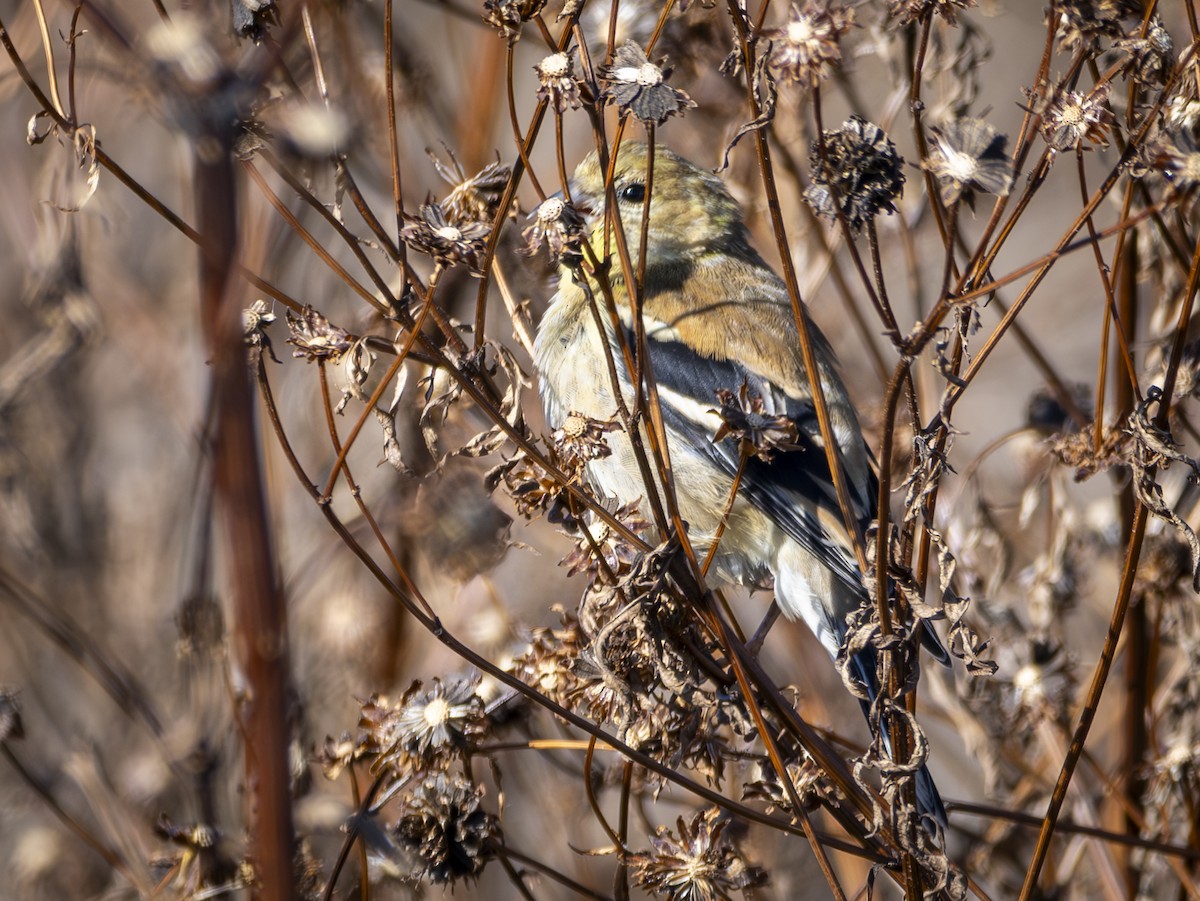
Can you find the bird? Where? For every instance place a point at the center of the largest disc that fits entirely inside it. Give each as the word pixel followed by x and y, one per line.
pixel 717 317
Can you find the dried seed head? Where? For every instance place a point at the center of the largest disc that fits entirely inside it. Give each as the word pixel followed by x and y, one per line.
pixel 1176 154
pixel 558 226
pixel 618 553
pixel 510 15
pixel 806 47
pixel 967 155
pixel 430 232
pixel 1073 117
pixel 473 199
pixel 446 829
pixel 316 338
pixel 580 440
pixel 639 86
pixel 426 726
pixel 759 433
pixel 1151 56
pixel 558 85
pixel 910 10
pixel 1087 23
pixel 699 865
pixel 860 172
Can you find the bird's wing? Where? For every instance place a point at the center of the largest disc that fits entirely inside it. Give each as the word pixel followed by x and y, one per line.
pixel 794 489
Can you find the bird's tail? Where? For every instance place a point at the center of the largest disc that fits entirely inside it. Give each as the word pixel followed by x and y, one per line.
pixel 929 801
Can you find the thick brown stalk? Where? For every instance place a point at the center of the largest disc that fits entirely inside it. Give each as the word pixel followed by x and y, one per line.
pixel 260 628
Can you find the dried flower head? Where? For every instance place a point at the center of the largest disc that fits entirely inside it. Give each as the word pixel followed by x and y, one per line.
pixel 700 865
pixel 807 778
pixel 255 319
pixel 336 754
pixel 744 418
pixel 557 225
pixel 432 233
pixel 549 661
pixel 425 725
pixel 316 338
pixel 906 11
pixel 806 47
pixel 1182 112
pixel 967 155
pixel 446 830
pixel 1073 117
pixel 1150 56
pixel 639 86
pixel 860 168
pixel 510 15
pixel 534 490
pixel 457 526
pixel 1176 154
pixel 1047 414
pixel 557 83
pixel 617 551
pixel 475 198
pixel 1078 450
pixel 580 439
pixel 1086 23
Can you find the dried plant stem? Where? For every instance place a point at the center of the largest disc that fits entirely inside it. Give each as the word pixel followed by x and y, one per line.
pixel 260 624
pixel 785 779
pixel 799 313
pixel 1091 703
pixel 393 138
pixel 1096 689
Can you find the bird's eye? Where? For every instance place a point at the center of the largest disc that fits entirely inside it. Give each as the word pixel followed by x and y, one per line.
pixel 634 193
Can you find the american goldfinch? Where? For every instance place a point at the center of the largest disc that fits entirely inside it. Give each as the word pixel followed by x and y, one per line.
pixel 716 317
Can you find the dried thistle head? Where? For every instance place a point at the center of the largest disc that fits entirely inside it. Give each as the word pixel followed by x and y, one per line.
pixel 757 432
pixel 336 754
pixel 446 829
pixel 639 87
pixel 807 778
pixel 457 527
pixel 967 155
pixel 433 233
pixel 548 663
pixel 425 726
pixel 860 172
pixel 1176 153
pixel 613 547
pixel 1150 56
pixel 579 440
pixel 1072 117
pixel 700 864
pixel 558 226
pixel 255 320
pixel 1085 24
pixel 806 47
pixel 906 11
pixel 473 199
pixel 557 84
pixel 534 491
pixel 509 16
pixel 316 338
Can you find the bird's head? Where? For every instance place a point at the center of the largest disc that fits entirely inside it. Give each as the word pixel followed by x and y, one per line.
pixel 691 212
